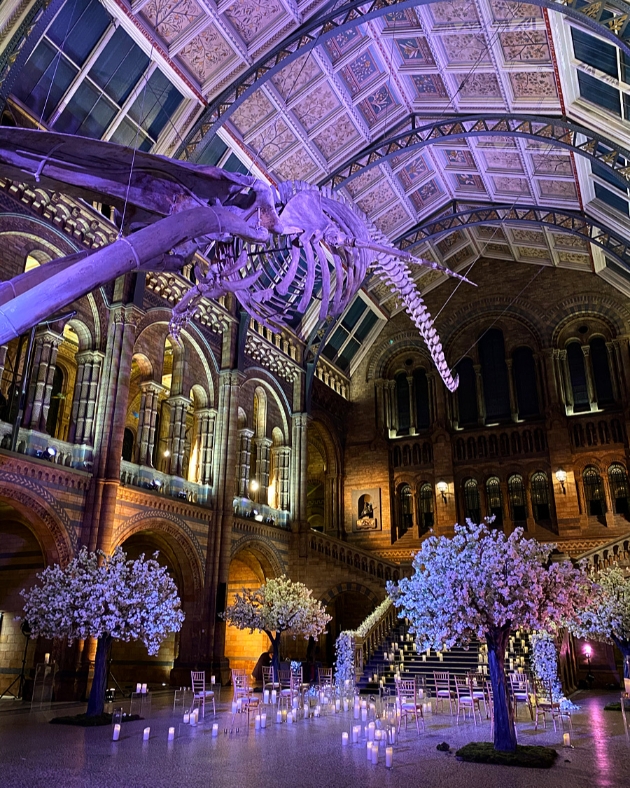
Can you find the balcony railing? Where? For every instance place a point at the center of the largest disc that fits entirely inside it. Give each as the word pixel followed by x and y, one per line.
pixel 361 560
pixel 505 441
pixel 42 446
pixel 260 512
pixel 147 478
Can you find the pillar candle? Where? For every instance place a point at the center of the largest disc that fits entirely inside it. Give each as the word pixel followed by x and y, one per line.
pixel 392 734
pixel 344 739
pixel 566 739
pixel 345 704
pixel 144 689
pixel 389 757
pixel 424 657
pixel 278 716
pixel 273 696
pixel 213 679
pixel 337 705
pixel 138 687
pixel 284 715
pixel 370 731
pixel 257 722
pixel 363 715
pixel 318 710
pixel 356 732
pixel 375 752
pixel 145 734
pixel 306 711
pixel 187 718
pixel 234 707
pixel 266 697
pixel 47 659
pixel 368 751
pixel 116 733
pixel 194 717
pixel 215 727
pixel 171 734
pixel 294 702
pixel 294 715
pixel 289 718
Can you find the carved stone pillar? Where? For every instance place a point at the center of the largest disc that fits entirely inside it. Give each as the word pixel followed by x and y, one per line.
pixel 146 424
pixel 203 443
pixel 177 433
pixel 413 417
pixel 299 465
pixel 615 376
pixel 261 471
pixel 244 462
pixel 565 377
pixel 381 415
pixel 43 371
pixel 590 378
pixel 281 464
pixel 89 367
pixel 512 387
pixel 392 410
pixel 481 405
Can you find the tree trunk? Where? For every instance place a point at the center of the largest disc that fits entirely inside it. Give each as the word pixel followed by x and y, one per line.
pixel 275 660
pixel 96 701
pixel 504 731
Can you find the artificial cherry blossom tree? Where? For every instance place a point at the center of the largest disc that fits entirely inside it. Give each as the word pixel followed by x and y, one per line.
pixel 280 605
pixel 108 598
pixel 483 584
pixel 606 616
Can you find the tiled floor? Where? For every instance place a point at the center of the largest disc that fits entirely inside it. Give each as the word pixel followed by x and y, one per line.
pixel 308 754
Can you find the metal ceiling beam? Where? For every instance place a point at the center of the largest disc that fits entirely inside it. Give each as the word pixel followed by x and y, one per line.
pixel 576 223
pixel 609 19
pixel 554 131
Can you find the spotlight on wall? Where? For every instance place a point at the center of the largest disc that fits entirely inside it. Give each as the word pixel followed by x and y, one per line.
pixel 442 488
pixel 253 485
pixel 561 476
pixel 50 453
pixel 167 453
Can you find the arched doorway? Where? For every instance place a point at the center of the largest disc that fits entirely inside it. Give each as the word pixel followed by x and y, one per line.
pixel 249 569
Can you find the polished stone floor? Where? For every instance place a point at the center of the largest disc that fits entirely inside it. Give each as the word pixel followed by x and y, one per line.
pixel 307 754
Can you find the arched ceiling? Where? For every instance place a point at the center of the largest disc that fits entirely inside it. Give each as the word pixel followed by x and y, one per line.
pixel 417 111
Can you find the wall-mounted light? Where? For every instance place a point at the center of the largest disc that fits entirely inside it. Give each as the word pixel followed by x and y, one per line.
pixel 442 488
pixel 167 453
pixel 253 485
pixel 561 476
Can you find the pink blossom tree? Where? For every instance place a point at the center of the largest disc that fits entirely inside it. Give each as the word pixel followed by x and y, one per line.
pixel 108 598
pixel 483 584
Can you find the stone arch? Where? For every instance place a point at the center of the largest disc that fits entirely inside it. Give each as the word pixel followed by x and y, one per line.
pixel 606 309
pixel 271 388
pixel 175 528
pixel 55 532
pixel 357 588
pixel 261 548
pixel 387 349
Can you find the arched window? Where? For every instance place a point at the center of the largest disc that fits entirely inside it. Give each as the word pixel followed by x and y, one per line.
pixel 525 382
pixel 496 390
pixel 495 500
pixel 402 402
pixel 467 393
pixel 619 490
pixel 127 447
pixel 516 498
pixel 472 504
pixel 601 371
pixel 426 509
pixel 577 372
pixel 594 492
pixel 405 521
pixel 421 389
pixel 541 508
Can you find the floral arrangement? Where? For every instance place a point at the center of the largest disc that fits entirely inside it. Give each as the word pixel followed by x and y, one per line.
pixel 544 662
pixel 295 665
pixel 344 647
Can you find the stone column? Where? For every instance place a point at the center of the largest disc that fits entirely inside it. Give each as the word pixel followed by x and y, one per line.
pixel 244 462
pixel 43 371
pixel 299 424
pixel 413 416
pixel 381 405
pixel 176 443
pixel 590 378
pixel 565 377
pixel 204 423
pixel 392 421
pixel 146 424
pixel 612 366
pixel 481 405
pixel 281 461
pixel 89 367
pixel 263 447
pixel 513 398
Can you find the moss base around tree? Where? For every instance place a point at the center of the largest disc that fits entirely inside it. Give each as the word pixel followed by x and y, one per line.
pixel 83 721
pixel 533 757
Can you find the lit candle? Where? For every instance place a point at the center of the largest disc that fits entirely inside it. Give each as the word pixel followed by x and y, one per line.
pixel 441 657
pixel 345 704
pixel 424 657
pixel 257 722
pixel 318 710
pixel 356 732
pixel 138 687
pixel 273 697
pixel 392 734
pixel 234 707
pixel 284 715
pixel 116 734
pixel 566 739
pixel 278 716
pixel 215 728
pixel 370 731
pixel 511 664
pixel 144 689
pixel 47 659
pixel 389 756
pixel 171 734
pixel 377 735
pixel 266 697
pixel 344 739
pixel 337 705
pixel 294 715
pixel 145 734
pixel 289 717
pixel 213 679
pixel 194 717
pixel 368 751
pixel 306 711
pixel 186 718
pixel 375 752
pixel 363 715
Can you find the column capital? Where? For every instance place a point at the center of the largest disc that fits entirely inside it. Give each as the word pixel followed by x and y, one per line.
pixel 88 356
pixel 152 387
pixel 179 399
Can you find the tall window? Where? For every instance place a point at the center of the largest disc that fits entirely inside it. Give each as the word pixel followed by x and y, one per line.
pixel 467 393
pixel 525 382
pixel 541 508
pixel 495 500
pixel 402 401
pixel 406 509
pixel 577 371
pixel 619 490
pixel 516 498
pixel 472 503
pixel 494 373
pixel 601 371
pixel 421 390
pixel 594 492
pixel 426 509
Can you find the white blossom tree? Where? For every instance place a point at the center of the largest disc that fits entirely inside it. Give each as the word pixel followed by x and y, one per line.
pixel 482 584
pixel 280 605
pixel 108 598
pixel 606 615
